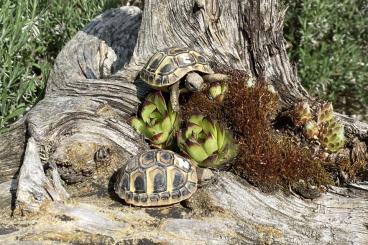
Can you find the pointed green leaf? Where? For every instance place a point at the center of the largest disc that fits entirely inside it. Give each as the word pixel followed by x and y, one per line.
pixel 221 138
pixel 172 114
pixel 146 111
pixel 208 127
pixel 166 125
pixel 160 138
pixel 196 151
pixel 160 103
pixel 210 145
pixel 215 90
pixel 137 124
pixel 225 88
pixel 192 130
pixel 177 121
pixel 174 118
pixel 196 119
pixel 157 115
pixel 155 129
pixel 140 127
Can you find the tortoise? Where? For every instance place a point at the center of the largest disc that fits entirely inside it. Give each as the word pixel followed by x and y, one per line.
pixel 156 178
pixel 165 69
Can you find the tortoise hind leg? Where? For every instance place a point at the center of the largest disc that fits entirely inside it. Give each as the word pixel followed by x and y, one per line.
pixel 174 96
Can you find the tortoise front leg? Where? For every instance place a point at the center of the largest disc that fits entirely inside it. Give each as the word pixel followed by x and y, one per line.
pixel 215 77
pixel 174 96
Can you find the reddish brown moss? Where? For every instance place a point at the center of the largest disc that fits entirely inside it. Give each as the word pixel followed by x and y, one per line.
pixel 267 158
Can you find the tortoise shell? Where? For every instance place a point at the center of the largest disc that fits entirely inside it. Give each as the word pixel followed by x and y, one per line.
pixel 170 65
pixel 156 178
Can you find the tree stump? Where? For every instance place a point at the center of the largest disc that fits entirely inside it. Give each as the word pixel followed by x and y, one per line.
pixel 91 94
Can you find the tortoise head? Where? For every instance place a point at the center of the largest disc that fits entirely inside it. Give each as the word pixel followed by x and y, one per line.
pixel 194 82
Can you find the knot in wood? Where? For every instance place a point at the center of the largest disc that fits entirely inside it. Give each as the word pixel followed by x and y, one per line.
pixel 103 155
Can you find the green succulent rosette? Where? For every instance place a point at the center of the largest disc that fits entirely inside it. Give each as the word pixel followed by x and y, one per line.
pixel 332 135
pixel 311 130
pixel 331 131
pixel 301 113
pixel 206 142
pixel 325 113
pixel 158 122
pixel 218 90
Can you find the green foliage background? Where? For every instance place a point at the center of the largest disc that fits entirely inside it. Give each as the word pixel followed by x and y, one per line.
pixel 32 32
pixel 329 41
pixel 329 44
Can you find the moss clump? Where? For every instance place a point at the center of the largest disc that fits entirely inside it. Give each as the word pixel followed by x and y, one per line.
pixel 267 158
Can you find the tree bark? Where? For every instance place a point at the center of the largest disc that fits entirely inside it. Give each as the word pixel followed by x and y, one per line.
pixel 91 94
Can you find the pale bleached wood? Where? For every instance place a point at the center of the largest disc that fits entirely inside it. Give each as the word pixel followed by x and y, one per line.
pixel 234 212
pixel 34 188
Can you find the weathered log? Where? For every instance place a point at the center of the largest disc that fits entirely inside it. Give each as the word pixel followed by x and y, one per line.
pixel 92 93
pixel 12 147
pixel 229 211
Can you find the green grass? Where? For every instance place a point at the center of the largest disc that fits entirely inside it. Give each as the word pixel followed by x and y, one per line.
pixel 32 32
pixel 329 45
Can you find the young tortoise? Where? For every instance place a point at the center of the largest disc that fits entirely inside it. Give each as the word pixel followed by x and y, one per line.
pixel 156 178
pixel 166 68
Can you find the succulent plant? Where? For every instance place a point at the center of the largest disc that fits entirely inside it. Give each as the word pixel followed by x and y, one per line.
pixel 251 82
pixel 325 113
pixel 327 130
pixel 331 132
pixel 331 135
pixel 158 122
pixel 311 129
pixel 206 142
pixel 218 90
pixel 301 113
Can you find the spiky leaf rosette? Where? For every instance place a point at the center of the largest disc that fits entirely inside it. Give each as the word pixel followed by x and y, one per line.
pixel 206 142
pixel 311 129
pixel 325 113
pixel 218 90
pixel 157 122
pixel 301 113
pixel 331 135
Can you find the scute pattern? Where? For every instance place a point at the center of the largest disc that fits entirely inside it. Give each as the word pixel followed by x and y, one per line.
pixel 169 66
pixel 156 178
